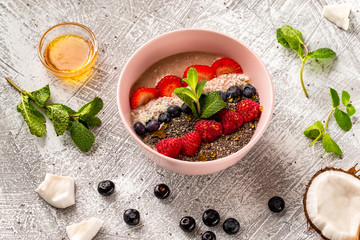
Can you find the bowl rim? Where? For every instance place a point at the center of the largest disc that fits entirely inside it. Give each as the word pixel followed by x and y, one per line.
pixel 246 148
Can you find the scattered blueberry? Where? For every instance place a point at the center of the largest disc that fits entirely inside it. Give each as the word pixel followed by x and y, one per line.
pixel 187 224
pixel 233 92
pixel 164 117
pixel 211 217
pixel 174 111
pixel 223 96
pixel 185 108
pixel 106 188
pixel 276 204
pixel 248 91
pixel 152 125
pixel 208 235
pixel 161 191
pixel 231 226
pixel 132 217
pixel 139 128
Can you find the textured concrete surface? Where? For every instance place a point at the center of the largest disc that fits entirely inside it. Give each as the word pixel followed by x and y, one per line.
pixel 281 163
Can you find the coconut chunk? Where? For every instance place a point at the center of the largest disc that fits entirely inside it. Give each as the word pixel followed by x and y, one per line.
pixel 338 14
pixel 332 204
pixel 84 230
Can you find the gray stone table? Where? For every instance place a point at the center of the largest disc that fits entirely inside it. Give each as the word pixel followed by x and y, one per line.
pixel 281 163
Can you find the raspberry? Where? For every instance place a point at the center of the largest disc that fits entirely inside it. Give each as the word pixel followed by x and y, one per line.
pixel 230 120
pixel 169 147
pixel 209 130
pixel 248 109
pixel 190 143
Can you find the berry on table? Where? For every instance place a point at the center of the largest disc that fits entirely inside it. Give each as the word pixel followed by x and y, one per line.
pixel 185 108
pixel 276 204
pixel 170 147
pixel 248 109
pixel 209 130
pixel 152 125
pixel 225 66
pixel 132 217
pixel 139 128
pixel 248 91
pixel 174 111
pixel 161 191
pixel 106 187
pixel 208 235
pixel 187 224
pixel 190 143
pixel 233 93
pixel 164 117
pixel 230 120
pixel 168 84
pixel 231 226
pixel 211 217
pixel 142 96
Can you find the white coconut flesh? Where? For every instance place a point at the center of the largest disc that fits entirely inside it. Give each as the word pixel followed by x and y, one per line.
pixel 332 204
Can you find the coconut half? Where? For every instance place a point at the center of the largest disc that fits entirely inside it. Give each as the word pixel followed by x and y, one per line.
pixel 332 203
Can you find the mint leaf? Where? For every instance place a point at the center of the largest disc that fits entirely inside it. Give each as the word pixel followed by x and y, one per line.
pixel 314 130
pixel 34 119
pixel 322 53
pixel 39 96
pixel 82 137
pixel 334 97
pixel 330 145
pixel 345 97
pixel 199 88
pixel 91 121
pixel 294 39
pixel 66 108
pixel 281 39
pixel 192 78
pixel 187 92
pixel 343 120
pixel 59 116
pixel 91 108
pixel 212 104
pixel 187 100
pixel 350 109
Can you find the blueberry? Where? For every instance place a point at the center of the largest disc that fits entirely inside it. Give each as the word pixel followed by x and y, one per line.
pixel 233 92
pixel 187 224
pixel 208 235
pixel 106 188
pixel 276 204
pixel 248 91
pixel 161 191
pixel 231 226
pixel 211 217
pixel 223 96
pixel 152 125
pixel 139 128
pixel 132 217
pixel 174 111
pixel 164 117
pixel 185 108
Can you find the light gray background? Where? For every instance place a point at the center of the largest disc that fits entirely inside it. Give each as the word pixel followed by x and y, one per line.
pixel 281 163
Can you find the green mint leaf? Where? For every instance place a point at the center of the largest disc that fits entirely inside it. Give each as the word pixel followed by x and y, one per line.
pixel 212 104
pixel 314 130
pixel 91 121
pixel 82 137
pixel 34 119
pixel 294 38
pixel 66 108
pixel 199 88
pixel 39 96
pixel 186 91
pixel 343 120
pixel 350 109
pixel 322 53
pixel 345 97
pixel 91 108
pixel 281 39
pixel 330 145
pixel 334 97
pixel 192 78
pixel 59 116
pixel 187 100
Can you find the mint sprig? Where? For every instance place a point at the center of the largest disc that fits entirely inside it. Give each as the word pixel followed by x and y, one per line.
pixel 292 38
pixel 63 117
pixel 210 105
pixel 317 130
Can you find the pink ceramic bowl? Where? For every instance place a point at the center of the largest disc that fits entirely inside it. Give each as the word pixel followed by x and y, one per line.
pixel 204 41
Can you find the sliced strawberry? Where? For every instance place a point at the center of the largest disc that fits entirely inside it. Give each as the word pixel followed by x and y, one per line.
pixel 167 85
pixel 225 66
pixel 204 73
pixel 142 95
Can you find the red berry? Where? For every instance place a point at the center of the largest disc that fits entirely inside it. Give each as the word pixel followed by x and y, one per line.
pixel 225 66
pixel 190 143
pixel 167 85
pixel 204 73
pixel 209 130
pixel 142 95
pixel 248 109
pixel 169 147
pixel 230 120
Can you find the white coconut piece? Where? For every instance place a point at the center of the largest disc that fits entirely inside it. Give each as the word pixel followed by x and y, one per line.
pixel 332 204
pixel 338 14
pixel 59 191
pixel 84 230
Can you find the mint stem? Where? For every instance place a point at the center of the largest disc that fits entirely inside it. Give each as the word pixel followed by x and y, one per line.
pixel 303 61
pixel 14 85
